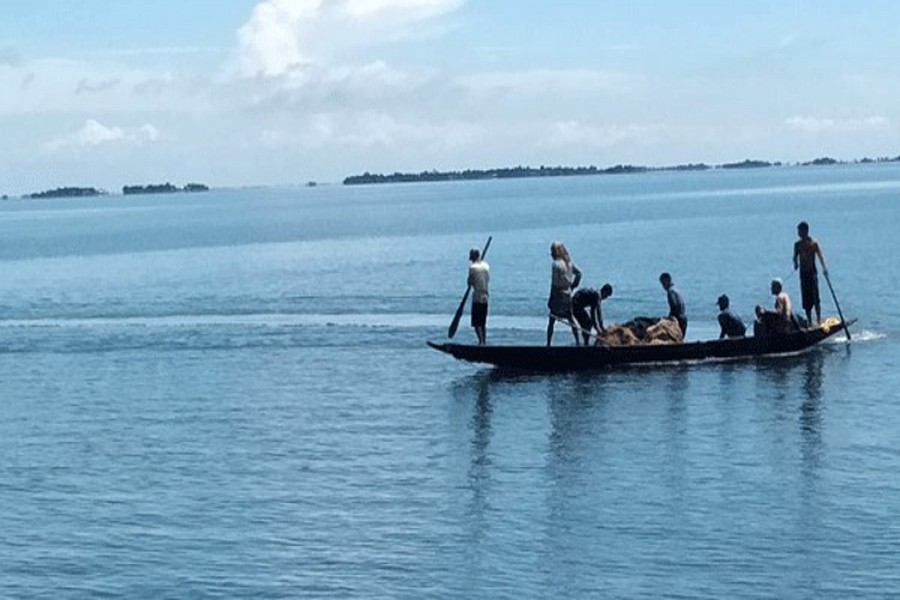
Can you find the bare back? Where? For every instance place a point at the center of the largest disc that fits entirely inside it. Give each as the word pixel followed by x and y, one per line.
pixel 805 251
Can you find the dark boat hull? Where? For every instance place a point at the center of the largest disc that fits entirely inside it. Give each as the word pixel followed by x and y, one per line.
pixel 581 358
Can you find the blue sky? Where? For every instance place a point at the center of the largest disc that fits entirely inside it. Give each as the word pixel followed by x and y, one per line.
pixel 274 92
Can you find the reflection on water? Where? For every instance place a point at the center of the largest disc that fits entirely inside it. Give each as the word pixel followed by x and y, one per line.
pixel 479 470
pixel 810 409
pixel 787 375
pixel 670 446
pixel 571 399
pixel 474 393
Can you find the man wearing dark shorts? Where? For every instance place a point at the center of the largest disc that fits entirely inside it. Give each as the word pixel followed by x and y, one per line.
pixel 586 309
pixel 806 249
pixel 479 279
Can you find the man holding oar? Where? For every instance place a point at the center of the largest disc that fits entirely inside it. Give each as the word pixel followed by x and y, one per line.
pixel 479 279
pixel 482 319
pixel 806 249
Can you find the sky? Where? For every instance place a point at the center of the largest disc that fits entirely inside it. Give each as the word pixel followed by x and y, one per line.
pixel 280 92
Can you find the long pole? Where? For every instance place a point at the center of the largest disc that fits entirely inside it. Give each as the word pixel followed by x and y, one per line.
pixel 574 325
pixel 454 324
pixel 837 304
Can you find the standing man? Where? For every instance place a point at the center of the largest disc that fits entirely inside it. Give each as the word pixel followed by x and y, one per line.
pixel 586 309
pixel 564 276
pixel 479 278
pixel 676 303
pixel 806 249
pixel 731 324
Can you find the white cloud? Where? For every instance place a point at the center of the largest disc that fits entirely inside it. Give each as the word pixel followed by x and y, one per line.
pixel 94 134
pixel 873 124
pixel 271 42
pixel 412 10
pixel 282 35
pixel 567 133
pixel 372 130
pixel 552 81
pixel 374 86
pixel 86 86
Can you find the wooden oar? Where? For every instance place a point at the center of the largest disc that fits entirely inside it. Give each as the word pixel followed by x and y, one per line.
pixel 575 325
pixel 837 304
pixel 454 324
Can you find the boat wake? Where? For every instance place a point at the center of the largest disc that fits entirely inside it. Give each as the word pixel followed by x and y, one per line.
pixel 268 320
pixel 864 335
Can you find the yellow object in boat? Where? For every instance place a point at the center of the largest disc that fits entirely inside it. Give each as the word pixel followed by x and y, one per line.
pixel 828 323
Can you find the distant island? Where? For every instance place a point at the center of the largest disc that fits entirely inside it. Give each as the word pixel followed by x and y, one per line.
pixel 84 192
pixel 67 192
pixel 544 171
pixel 163 188
pixel 510 173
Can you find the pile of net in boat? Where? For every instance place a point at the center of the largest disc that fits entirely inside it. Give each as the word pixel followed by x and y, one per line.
pixel 643 330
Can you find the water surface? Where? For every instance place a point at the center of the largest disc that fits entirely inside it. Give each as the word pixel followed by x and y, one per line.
pixel 229 394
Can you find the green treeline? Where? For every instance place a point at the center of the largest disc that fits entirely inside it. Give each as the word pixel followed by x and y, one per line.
pixel 67 192
pixel 543 171
pixel 509 173
pixel 163 188
pixel 81 192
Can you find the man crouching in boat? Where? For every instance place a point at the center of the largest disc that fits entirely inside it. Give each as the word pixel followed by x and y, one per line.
pixel 778 321
pixel 730 323
pixel 586 310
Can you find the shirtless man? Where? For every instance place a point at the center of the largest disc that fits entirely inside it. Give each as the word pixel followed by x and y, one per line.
pixel 783 306
pixel 806 249
pixel 778 321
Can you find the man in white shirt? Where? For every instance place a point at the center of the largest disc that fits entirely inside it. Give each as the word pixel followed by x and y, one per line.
pixel 479 279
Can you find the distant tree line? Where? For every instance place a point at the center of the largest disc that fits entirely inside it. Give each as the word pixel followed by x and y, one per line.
pixel 509 173
pixel 67 192
pixel 163 188
pixel 81 192
pixel 559 171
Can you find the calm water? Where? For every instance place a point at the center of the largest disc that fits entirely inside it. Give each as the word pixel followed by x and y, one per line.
pixel 229 395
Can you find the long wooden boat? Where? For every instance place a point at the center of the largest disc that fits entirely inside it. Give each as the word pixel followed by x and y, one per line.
pixel 581 358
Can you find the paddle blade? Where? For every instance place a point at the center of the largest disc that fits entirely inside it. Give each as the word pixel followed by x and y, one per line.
pixel 454 324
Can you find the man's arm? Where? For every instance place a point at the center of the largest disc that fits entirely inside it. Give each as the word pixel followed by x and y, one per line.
pixel 596 318
pixel 821 257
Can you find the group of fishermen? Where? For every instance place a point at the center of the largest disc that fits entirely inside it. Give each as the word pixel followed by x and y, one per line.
pixel 581 310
